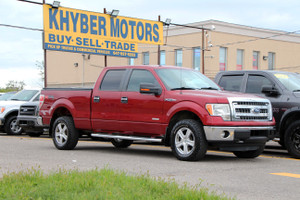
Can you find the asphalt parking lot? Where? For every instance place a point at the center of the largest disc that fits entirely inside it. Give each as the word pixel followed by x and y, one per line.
pixel 273 175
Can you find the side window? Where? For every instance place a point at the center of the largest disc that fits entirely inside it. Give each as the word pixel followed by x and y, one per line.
pixel 231 83
pixel 139 76
pixel 112 80
pixel 255 83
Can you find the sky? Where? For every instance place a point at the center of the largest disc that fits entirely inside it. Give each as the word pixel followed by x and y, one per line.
pixel 21 50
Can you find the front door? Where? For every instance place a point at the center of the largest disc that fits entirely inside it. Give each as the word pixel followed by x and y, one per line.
pixel 141 113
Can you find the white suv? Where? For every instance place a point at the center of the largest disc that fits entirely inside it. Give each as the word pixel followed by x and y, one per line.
pixel 9 110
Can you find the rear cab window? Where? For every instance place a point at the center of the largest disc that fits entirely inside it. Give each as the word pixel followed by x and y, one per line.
pixel 231 82
pixel 112 80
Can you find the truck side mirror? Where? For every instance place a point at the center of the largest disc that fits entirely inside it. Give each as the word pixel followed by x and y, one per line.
pixel 270 90
pixel 150 88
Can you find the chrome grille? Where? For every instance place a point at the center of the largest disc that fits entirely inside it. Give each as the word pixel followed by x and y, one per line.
pixel 28 110
pixel 244 109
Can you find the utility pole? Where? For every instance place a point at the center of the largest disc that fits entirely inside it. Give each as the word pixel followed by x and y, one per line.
pixel 203 35
pixel 158 49
pixel 202 50
pixel 105 56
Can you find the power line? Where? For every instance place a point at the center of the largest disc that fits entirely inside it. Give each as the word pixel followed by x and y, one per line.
pixel 253 40
pixel 21 27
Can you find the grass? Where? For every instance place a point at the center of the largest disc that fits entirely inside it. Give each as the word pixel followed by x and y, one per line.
pixel 95 184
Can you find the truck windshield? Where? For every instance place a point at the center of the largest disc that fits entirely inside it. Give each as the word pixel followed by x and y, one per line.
pixel 24 95
pixel 290 80
pixel 185 79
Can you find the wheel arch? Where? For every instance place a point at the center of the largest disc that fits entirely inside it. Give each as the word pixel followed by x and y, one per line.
pixel 176 117
pixel 59 112
pixel 288 117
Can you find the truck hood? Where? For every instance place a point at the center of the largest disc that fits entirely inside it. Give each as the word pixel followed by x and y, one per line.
pixel 11 103
pixel 216 95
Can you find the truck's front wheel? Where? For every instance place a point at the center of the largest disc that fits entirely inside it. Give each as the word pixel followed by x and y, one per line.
pixel 65 135
pixel 188 142
pixel 292 139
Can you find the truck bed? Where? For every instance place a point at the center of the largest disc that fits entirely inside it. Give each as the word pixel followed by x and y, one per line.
pixel 78 100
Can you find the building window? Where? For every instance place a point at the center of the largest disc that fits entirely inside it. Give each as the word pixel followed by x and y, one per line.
pixel 162 57
pixel 145 58
pixel 223 58
pixel 271 60
pixel 178 57
pixel 239 59
pixel 255 59
pixel 131 61
pixel 196 58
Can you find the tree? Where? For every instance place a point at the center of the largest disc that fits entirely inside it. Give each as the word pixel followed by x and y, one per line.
pixel 40 67
pixel 15 85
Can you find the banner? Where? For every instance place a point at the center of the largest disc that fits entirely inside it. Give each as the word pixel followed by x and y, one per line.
pixel 73 30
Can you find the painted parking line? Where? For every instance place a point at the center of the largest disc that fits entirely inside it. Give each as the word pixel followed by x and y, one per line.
pixel 287 174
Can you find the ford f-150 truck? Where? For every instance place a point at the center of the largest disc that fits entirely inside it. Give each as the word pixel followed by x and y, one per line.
pixel 282 89
pixel 178 107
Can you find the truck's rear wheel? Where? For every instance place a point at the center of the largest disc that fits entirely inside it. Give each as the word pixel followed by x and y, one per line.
pixel 119 143
pixel 188 142
pixel 249 154
pixel 292 139
pixel 11 127
pixel 65 135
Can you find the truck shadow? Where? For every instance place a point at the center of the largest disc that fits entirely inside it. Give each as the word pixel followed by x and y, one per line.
pixel 155 153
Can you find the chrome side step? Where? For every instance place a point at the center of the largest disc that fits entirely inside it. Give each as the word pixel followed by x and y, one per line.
pixel 125 137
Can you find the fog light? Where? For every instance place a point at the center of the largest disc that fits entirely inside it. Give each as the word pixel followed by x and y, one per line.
pixel 225 134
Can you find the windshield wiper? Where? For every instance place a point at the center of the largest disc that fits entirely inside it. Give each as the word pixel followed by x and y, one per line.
pixel 183 88
pixel 296 90
pixel 208 88
pixel 14 99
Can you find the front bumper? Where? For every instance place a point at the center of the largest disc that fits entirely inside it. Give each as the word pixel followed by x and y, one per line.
pixel 30 123
pixel 2 121
pixel 238 138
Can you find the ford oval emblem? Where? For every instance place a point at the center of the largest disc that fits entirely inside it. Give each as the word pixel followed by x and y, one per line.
pixel 256 110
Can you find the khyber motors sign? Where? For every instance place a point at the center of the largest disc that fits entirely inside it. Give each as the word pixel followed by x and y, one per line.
pixel 72 30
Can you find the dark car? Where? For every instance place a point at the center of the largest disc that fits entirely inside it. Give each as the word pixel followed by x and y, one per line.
pixel 282 89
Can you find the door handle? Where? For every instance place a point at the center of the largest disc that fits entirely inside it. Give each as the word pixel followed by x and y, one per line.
pixel 96 99
pixel 124 100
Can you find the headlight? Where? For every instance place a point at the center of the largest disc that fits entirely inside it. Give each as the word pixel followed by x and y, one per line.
pixel 2 109
pixel 221 110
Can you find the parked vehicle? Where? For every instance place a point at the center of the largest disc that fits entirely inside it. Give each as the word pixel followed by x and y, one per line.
pixel 6 96
pixel 282 89
pixel 9 110
pixel 27 119
pixel 176 106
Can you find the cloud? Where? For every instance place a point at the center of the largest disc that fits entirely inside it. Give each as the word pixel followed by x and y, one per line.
pixel 29 75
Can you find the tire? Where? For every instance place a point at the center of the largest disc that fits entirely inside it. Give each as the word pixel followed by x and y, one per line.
pixel 249 154
pixel 292 139
pixel 11 127
pixel 119 143
pixel 188 142
pixel 34 134
pixel 64 134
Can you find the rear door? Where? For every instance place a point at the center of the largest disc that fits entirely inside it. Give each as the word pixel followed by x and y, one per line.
pixel 106 101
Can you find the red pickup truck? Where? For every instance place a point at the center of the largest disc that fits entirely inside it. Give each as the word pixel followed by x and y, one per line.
pixel 178 107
